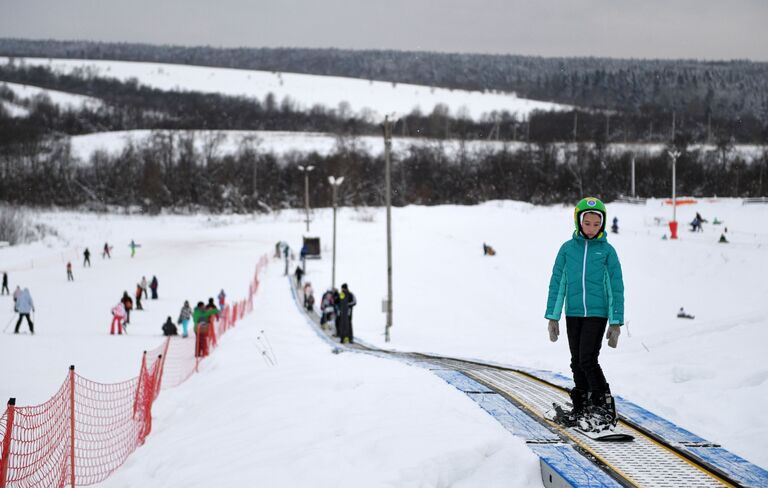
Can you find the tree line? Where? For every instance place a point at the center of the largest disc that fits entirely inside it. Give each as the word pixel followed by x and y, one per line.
pixel 171 172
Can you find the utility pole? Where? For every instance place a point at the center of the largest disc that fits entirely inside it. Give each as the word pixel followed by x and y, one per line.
pixel 335 183
pixel 633 178
pixel 306 170
pixel 388 195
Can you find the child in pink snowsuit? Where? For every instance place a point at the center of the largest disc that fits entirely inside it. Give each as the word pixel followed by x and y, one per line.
pixel 118 315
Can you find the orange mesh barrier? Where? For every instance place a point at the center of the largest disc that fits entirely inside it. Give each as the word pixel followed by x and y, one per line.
pixel 87 429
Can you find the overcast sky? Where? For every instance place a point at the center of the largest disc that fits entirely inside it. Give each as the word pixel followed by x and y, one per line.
pixel 704 29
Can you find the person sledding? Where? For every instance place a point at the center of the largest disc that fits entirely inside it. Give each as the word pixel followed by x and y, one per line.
pixel 682 314
pixel 488 250
pixel 696 223
pixel 587 279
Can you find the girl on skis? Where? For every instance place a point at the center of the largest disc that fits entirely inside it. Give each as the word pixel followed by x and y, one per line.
pixel 587 279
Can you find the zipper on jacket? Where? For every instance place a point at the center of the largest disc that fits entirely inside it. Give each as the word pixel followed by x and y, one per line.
pixel 584 278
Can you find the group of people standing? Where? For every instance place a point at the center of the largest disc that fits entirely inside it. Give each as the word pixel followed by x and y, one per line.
pixel 336 307
pixel 105 253
pixel 201 317
pixel 121 313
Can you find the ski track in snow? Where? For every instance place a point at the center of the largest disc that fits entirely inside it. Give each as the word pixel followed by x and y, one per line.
pixel 707 375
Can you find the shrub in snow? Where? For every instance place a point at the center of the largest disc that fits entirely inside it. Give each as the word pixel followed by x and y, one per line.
pixel 13 226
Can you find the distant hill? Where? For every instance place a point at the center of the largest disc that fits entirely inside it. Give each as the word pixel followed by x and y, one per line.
pixel 725 90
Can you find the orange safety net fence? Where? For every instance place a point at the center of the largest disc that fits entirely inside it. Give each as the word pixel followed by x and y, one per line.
pixel 87 430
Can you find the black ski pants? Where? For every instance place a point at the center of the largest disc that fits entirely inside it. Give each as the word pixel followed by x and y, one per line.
pixel 29 322
pixel 585 336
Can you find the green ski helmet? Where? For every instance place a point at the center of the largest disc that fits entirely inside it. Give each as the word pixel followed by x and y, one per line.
pixel 589 204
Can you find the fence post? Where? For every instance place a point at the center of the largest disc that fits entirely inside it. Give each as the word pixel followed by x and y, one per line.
pixel 6 449
pixel 142 371
pixel 197 350
pixel 159 373
pixel 162 365
pixel 72 423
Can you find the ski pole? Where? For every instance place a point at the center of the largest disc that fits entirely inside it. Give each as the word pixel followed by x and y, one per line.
pixel 269 344
pixel 269 353
pixel 10 321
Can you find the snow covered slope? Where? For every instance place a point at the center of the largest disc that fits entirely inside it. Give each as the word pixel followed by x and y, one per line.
pixel 63 99
pixel 306 90
pixel 708 375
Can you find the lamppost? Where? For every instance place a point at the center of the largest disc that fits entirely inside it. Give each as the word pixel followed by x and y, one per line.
pixel 388 193
pixel 335 183
pixel 306 170
pixel 673 224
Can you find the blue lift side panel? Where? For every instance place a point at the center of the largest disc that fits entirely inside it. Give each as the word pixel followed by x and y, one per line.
pixel 574 468
pixel 738 468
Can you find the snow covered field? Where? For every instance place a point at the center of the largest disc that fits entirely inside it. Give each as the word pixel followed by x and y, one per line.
pixel 376 97
pixel 349 420
pixel 284 142
pixel 63 99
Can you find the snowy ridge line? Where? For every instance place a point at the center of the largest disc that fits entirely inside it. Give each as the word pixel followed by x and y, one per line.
pixel 694 460
pixel 87 430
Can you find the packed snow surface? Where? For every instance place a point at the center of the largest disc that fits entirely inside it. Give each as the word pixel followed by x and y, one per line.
pixel 323 419
pixel 376 98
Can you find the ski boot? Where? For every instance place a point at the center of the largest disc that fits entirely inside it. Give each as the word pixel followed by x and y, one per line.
pixel 569 418
pixel 600 413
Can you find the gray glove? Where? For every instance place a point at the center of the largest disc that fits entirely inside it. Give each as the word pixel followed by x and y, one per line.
pixel 613 335
pixel 554 330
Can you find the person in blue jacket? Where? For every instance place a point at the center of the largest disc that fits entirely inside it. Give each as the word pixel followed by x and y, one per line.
pixel 587 280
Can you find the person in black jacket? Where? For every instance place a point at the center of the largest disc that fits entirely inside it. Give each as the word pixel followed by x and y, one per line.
pixel 344 303
pixel 5 290
pixel 299 273
pixel 169 328
pixel 153 286
pixel 128 304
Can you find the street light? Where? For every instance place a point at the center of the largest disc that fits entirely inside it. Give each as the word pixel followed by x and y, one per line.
pixel 306 170
pixel 673 225
pixel 335 183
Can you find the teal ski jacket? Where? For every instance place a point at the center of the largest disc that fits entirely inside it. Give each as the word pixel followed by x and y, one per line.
pixel 587 279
